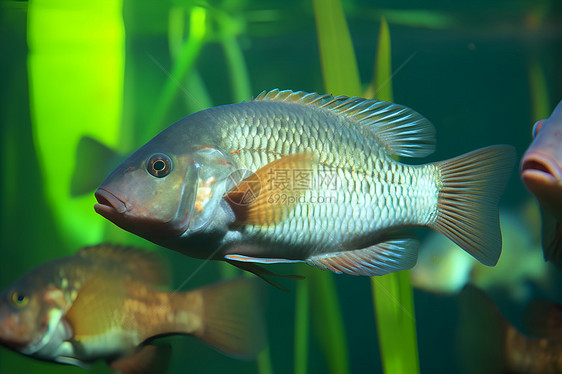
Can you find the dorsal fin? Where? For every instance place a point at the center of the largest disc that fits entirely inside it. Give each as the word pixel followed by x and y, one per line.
pixel 402 131
pixel 135 262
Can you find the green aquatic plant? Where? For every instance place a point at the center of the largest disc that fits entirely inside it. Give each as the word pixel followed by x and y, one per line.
pixel 540 102
pixel 186 56
pixel 341 77
pixel 194 88
pixel 392 293
pixel 76 65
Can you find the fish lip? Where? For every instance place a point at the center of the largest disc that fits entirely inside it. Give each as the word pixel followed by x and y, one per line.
pixel 108 203
pixel 536 164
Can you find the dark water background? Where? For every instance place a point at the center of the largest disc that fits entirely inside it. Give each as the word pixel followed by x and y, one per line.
pixel 470 78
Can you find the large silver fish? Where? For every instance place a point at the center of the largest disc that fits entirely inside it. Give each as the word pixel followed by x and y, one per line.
pixel 541 171
pixel 294 176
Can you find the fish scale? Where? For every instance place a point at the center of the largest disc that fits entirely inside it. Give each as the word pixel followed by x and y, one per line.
pixel 390 206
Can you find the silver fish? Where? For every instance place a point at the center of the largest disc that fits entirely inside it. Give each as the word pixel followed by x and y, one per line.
pixel 294 176
pixel 541 171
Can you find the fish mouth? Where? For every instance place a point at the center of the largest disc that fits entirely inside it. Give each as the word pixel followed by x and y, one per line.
pixel 541 167
pixel 108 203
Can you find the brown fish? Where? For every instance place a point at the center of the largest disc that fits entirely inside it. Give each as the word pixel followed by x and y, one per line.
pixel 541 171
pixel 488 343
pixel 103 304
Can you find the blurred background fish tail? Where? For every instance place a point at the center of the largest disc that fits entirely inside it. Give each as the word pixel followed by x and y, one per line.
pixel 232 317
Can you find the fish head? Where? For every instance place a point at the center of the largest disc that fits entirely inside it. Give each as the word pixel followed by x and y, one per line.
pixel 31 312
pixel 165 192
pixel 541 165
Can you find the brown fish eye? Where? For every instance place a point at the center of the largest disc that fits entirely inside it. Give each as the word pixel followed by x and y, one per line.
pixel 19 300
pixel 159 165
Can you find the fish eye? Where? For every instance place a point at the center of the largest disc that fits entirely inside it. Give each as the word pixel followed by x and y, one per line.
pixel 537 128
pixel 19 300
pixel 159 165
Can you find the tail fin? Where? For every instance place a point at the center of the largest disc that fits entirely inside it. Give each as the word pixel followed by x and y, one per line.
pixel 468 200
pixel 232 317
pixel 481 334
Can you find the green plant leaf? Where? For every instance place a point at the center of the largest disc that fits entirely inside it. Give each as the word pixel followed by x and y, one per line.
pixel 339 67
pixel 76 67
pixel 392 293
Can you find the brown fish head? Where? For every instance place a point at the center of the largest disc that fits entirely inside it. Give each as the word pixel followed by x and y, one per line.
pixel 30 314
pixel 541 166
pixel 162 192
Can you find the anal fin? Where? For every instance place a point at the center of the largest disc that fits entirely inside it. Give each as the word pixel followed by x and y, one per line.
pixel 386 257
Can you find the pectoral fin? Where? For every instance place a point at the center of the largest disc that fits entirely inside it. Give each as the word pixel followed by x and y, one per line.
pixel 267 196
pixel 386 257
pixel 92 312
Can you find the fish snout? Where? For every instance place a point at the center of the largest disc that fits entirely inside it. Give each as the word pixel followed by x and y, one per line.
pixel 13 333
pixel 108 203
pixel 537 165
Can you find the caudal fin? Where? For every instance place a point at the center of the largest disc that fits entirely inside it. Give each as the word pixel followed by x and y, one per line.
pixel 468 200
pixel 232 317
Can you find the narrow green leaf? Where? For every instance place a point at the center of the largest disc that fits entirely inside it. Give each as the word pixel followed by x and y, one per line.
pixel 392 293
pixel 185 61
pixel 381 85
pixel 302 319
pixel 229 28
pixel 339 67
pixel 540 102
pixel 396 325
pixel 328 321
pixel 341 77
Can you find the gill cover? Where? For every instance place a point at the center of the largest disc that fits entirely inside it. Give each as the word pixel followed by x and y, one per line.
pixel 215 176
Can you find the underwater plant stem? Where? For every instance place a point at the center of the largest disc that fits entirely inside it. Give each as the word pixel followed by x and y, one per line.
pixel 392 293
pixel 264 362
pixel 187 56
pixel 176 27
pixel 328 320
pixel 339 66
pixel 239 78
pixel 341 77
pixel 394 309
pixel 301 328
pixel 540 102
pixel 381 84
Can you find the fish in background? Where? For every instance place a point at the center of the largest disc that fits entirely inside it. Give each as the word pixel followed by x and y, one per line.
pixel 104 303
pixel 541 171
pixel 443 269
pixel 487 343
pixel 302 177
